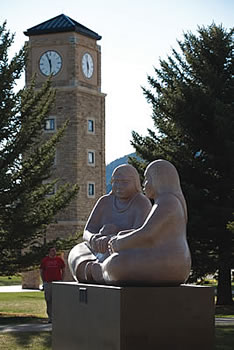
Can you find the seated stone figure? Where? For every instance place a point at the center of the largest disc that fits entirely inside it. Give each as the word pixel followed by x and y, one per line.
pixel 124 209
pixel 157 253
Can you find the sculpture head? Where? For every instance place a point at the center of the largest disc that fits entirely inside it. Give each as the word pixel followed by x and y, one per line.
pixel 125 181
pixel 161 177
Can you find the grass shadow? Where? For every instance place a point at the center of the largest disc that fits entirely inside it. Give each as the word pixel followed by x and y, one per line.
pixel 20 319
pixel 32 340
pixel 224 310
pixel 224 336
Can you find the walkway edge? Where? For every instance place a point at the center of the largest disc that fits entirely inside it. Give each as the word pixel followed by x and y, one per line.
pixel 30 327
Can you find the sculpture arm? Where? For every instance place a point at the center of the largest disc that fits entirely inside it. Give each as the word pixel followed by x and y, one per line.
pixel 121 233
pixel 88 236
pixel 94 223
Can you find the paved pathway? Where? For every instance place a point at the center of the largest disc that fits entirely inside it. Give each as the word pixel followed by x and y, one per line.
pixel 45 327
pixel 14 289
pixel 224 321
pixel 37 327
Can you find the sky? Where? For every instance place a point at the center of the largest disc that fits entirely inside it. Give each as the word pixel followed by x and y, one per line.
pixel 135 35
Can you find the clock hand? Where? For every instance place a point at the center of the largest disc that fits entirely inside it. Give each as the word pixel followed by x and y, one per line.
pixel 87 66
pixel 49 60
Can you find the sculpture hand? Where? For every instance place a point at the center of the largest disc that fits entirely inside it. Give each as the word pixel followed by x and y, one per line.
pixel 93 241
pixel 112 245
pixel 102 244
pixel 99 243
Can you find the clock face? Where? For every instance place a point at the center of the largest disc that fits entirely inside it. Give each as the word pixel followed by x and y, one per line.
pixel 87 65
pixel 50 63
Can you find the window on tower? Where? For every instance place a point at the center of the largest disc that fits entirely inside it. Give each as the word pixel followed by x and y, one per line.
pixel 90 126
pixel 91 157
pixel 49 124
pixel 91 189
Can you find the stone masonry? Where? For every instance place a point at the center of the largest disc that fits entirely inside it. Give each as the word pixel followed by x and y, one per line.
pixel 78 100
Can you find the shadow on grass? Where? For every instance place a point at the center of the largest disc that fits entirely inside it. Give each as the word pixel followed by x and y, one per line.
pixel 43 340
pixel 20 319
pixel 224 337
pixel 224 310
pixel 32 340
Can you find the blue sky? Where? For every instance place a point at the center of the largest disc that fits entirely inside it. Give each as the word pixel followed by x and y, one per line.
pixel 135 34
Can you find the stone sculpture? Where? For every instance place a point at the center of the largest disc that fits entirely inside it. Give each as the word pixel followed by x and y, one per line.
pixel 124 209
pixel 156 253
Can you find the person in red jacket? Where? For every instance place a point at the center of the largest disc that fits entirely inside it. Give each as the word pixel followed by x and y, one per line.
pixel 51 269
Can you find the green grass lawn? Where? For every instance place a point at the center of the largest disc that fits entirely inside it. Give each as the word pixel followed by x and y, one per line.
pixel 22 305
pixel 224 338
pixel 24 341
pixel 42 341
pixel 10 280
pixel 224 311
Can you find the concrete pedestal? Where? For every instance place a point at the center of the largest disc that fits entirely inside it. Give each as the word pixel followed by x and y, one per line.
pixel 98 317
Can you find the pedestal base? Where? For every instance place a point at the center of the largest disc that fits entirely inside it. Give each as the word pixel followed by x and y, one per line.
pixel 99 317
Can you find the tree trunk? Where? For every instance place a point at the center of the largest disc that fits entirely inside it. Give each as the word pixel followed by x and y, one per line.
pixel 224 289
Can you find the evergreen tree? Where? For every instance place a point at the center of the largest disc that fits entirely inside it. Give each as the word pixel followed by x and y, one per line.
pixel 193 113
pixel 26 160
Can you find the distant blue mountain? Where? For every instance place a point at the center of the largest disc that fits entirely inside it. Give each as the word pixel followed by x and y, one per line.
pixel 111 166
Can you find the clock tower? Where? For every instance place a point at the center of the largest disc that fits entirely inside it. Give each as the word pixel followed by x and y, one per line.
pixel 68 51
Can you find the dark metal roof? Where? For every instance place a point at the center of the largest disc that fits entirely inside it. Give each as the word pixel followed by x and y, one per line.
pixel 61 23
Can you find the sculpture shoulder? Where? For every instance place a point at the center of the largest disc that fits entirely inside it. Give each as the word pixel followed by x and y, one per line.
pixel 103 202
pixel 170 204
pixel 104 199
pixel 98 212
pixel 166 199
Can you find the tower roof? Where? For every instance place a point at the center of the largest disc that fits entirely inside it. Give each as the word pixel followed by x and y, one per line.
pixel 61 23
